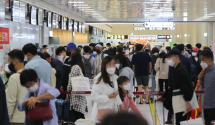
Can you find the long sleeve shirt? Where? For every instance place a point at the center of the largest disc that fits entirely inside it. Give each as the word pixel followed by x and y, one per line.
pixel 129 103
pixel 44 88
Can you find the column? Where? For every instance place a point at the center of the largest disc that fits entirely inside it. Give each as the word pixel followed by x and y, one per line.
pixel 210 33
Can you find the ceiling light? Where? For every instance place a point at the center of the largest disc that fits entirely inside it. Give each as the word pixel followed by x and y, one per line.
pixel 90 11
pixel 185 19
pixel 185 14
pixel 75 2
pixel 83 7
pixel 87 9
pixel 161 2
pixel 205 34
pixel 75 5
pixel 185 35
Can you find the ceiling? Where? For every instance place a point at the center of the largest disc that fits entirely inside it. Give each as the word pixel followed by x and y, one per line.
pixel 137 10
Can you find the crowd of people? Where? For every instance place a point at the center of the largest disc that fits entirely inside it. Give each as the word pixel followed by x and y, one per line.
pixel 37 77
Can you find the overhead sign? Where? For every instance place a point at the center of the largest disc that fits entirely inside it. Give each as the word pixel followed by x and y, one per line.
pixel 159 24
pixel 4 35
pixel 164 37
pixel 139 24
pixel 139 28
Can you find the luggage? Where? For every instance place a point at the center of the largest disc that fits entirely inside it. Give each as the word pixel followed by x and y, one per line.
pixel 68 115
pixel 59 107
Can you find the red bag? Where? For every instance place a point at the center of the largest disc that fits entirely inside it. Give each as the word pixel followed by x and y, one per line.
pixel 41 112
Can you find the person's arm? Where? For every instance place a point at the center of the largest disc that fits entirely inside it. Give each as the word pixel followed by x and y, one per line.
pixel 11 96
pixel 97 96
pixel 150 64
pixel 134 68
pixel 23 103
pixel 134 107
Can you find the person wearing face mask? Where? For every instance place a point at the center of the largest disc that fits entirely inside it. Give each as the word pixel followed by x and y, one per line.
pixel 180 88
pixel 15 92
pixel 38 91
pixel 123 65
pixel 124 87
pixel 77 103
pixel 108 46
pixel 207 80
pixel 100 55
pixel 42 67
pixel 45 48
pixel 105 93
pixel 194 62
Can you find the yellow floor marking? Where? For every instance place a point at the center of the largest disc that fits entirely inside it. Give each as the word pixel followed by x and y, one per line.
pixel 152 107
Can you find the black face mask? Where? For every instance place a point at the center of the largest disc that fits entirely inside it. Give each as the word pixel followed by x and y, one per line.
pixel 98 51
pixel 68 53
pixel 11 68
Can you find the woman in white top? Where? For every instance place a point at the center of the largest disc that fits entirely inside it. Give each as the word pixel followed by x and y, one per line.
pixel 105 90
pixel 162 67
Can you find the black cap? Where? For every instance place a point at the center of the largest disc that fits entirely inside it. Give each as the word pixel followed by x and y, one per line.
pixel 173 52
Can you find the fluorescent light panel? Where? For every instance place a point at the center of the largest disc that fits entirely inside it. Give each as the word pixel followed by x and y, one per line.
pixel 75 2
pixel 83 7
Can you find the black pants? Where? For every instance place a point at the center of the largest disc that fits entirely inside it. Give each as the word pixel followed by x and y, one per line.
pixel 170 114
pixel 209 115
pixel 180 118
pixel 161 82
pixel 78 115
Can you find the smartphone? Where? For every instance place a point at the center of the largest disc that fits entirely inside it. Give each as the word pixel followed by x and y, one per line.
pixel 115 92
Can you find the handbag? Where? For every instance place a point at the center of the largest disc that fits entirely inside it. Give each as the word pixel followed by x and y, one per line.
pixel 80 83
pixel 197 121
pixel 41 112
pixel 104 112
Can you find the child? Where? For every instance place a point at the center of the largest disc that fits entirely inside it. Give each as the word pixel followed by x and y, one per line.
pixel 128 102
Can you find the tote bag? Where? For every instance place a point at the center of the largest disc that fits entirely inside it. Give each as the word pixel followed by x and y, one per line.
pixel 80 83
pixel 197 121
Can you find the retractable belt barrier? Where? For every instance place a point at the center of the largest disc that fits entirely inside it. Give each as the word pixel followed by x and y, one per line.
pixel 135 93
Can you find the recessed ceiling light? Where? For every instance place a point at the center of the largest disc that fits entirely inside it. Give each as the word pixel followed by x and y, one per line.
pixel 75 2
pixel 87 9
pixel 161 2
pixel 83 7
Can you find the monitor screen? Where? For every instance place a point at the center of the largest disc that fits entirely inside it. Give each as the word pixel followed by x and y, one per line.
pixel 40 17
pixel 49 19
pixel 83 28
pixel 80 27
pixel 22 12
pixel 64 23
pixel 53 20
pixel 33 19
pixel 70 23
pixel 15 11
pixel 75 26
pixel 57 21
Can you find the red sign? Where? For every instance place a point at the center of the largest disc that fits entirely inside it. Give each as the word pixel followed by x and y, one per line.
pixel 1 46
pixel 4 35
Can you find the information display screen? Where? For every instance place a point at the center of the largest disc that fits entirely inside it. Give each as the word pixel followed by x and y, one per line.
pixel 40 17
pixel 15 11
pixel 33 19
pixel 49 19
pixel 70 23
pixel 57 21
pixel 64 23
pixel 75 26
pixel 83 28
pixel 22 12
pixel 94 31
pixel 53 20
pixel 80 27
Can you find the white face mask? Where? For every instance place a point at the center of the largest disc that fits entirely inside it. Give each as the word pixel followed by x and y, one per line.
pixel 60 58
pixel 26 58
pixel 94 52
pixel 194 54
pixel 6 69
pixel 33 89
pixel 47 50
pixel 204 65
pixel 127 87
pixel 111 71
pixel 170 62
pixel 117 66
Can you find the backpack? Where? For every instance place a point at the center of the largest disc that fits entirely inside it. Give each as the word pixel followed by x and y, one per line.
pixel 88 67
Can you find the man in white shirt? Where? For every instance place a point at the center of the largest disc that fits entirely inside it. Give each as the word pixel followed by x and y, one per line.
pixel 91 59
pixel 15 92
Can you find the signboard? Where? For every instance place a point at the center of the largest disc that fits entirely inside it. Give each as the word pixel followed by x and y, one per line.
pixel 139 24
pixel 40 17
pixel 33 18
pixel 159 24
pixel 139 28
pixel 4 35
pixel 143 37
pixel 161 36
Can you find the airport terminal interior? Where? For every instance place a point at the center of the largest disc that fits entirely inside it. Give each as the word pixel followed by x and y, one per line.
pixel 107 62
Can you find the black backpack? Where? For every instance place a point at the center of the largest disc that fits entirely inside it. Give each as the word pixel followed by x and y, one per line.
pixel 88 67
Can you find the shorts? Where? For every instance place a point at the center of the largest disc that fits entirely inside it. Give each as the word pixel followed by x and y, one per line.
pixel 142 80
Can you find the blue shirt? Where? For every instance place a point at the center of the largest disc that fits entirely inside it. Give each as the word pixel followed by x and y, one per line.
pixel 42 68
pixel 44 88
pixel 141 61
pixel 209 88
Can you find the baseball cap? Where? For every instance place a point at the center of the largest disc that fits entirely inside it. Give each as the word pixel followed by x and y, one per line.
pixel 173 52
pixel 98 45
pixel 195 49
pixel 71 46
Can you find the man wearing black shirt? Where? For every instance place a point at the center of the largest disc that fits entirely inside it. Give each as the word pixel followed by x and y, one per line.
pixel 142 67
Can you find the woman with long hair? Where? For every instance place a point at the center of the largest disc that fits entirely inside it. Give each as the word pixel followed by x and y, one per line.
pixel 162 66
pixel 77 103
pixel 123 65
pixel 105 89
